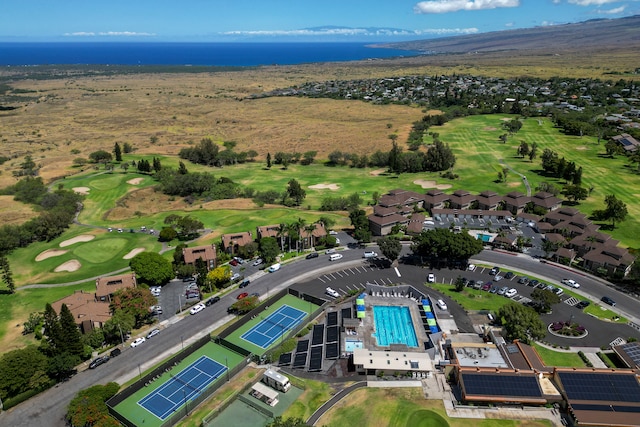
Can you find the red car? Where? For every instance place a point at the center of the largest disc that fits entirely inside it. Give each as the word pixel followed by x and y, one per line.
pixel 233 262
pixel 242 295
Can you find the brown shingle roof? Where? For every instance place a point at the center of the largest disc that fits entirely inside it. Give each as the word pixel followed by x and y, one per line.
pixel 388 220
pixel 207 253
pixel 83 306
pixel 268 231
pixel 106 286
pixel 237 239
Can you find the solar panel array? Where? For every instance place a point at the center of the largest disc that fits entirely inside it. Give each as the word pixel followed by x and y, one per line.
pixel 500 385
pixel 317 337
pixel 332 318
pixel 346 313
pixel 332 334
pixel 300 361
pixel 315 364
pixel 285 359
pixel 332 350
pixel 610 408
pixel 632 350
pixel 303 345
pixel 600 386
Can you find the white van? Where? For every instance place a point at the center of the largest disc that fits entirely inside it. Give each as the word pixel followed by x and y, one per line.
pixel 335 257
pixel 274 268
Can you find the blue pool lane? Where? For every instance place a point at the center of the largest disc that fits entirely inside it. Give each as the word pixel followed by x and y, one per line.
pixel 394 326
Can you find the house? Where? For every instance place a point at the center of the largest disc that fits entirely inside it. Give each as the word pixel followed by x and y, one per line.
pixel 613 259
pixel 403 200
pixel 416 223
pixel 206 253
pixel 461 199
pixel 516 202
pixel 435 199
pixel 88 312
pixel 310 237
pixel 272 230
pixel 488 200
pixel 627 142
pixel 546 201
pixel 233 241
pixel 107 286
pixel 383 219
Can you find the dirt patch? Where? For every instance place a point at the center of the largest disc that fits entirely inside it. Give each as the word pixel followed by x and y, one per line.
pixel 377 172
pixel 50 253
pixel 581 148
pixel 69 266
pixel 81 190
pixel 489 128
pixel 133 253
pixel 431 184
pixel 514 184
pixel 134 181
pixel 81 238
pixel 324 187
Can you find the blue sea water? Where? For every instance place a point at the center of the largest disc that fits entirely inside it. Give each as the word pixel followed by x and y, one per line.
pixel 210 54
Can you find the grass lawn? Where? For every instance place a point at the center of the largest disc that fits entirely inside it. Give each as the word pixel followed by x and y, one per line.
pixel 601 312
pixel 315 394
pixel 559 358
pixel 472 299
pixel 400 407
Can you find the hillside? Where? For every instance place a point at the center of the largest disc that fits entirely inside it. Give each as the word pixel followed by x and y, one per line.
pixel 593 35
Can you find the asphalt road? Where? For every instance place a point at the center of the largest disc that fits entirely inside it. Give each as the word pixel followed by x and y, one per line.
pixel 48 408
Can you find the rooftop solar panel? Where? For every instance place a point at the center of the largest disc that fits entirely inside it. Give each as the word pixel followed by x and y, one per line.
pixel 303 345
pixel 632 350
pixel 317 337
pixel 346 313
pixel 600 386
pixel 611 408
pixel 332 318
pixel 331 350
pixel 285 359
pixel 315 364
pixel 332 334
pixel 500 385
pixel 300 361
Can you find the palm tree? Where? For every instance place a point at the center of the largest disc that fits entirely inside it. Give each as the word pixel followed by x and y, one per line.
pixel 300 225
pixel 281 232
pixel 309 229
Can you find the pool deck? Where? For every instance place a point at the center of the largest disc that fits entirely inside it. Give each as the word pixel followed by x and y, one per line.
pixel 366 329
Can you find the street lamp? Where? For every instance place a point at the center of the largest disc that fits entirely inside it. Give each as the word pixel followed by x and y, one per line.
pixel 180 303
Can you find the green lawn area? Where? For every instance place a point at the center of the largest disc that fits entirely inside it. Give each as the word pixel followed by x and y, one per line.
pixel 558 358
pixel 403 407
pixel 601 312
pixel 472 299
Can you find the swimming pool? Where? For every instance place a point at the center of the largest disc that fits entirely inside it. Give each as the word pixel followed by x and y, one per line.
pixel 394 326
pixel 350 345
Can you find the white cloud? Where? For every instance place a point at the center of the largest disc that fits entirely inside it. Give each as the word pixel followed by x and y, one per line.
pixel 613 11
pixel 444 6
pixel 109 34
pixel 351 32
pixel 592 2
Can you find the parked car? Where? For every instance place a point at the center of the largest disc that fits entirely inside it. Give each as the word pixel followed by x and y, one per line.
pixel 533 283
pixel 558 291
pixel 312 255
pixel 192 286
pixel 503 290
pixel 332 292
pixel 235 277
pixel 98 361
pixel 115 352
pixel 153 333
pixel 509 275
pixel 471 267
pixel 188 279
pixel 486 286
pixel 478 284
pixel 441 304
pixel 494 271
pixel 333 232
pixel 137 342
pixel 511 293
pixel 335 257
pixel 197 308
pixel 523 280
pixel 257 262
pixel 156 309
pixel 431 278
pixel 233 262
pixel 472 283
pixel 571 282
pixel 274 268
pixel 607 300
pixel 582 304
pixel 255 294
pixel 369 254
pixel 244 283
pixel 238 259
pixel 498 277
pixel 330 251
pixel 212 300
pixel 494 289
pixel 242 295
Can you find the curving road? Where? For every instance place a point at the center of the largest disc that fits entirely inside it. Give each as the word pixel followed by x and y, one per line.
pixel 48 408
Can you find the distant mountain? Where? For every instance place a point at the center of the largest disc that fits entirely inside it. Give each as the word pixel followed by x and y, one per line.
pixel 596 34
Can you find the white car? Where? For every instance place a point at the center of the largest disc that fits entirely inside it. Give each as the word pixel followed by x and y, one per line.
pixel 333 232
pixel 332 292
pixel 370 254
pixel 571 282
pixel 137 342
pixel 431 278
pixel 441 304
pixel 471 267
pixel 510 293
pixel 153 333
pixel 257 262
pixel 197 308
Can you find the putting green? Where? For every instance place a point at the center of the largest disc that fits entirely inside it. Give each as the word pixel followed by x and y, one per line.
pixel 106 182
pixel 425 418
pixel 101 250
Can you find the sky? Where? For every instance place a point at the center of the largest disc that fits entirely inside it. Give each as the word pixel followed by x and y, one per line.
pixel 287 20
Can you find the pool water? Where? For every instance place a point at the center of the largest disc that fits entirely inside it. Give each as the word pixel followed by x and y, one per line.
pixel 394 326
pixel 484 237
pixel 350 345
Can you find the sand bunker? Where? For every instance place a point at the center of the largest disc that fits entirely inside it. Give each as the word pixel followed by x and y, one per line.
pixel 134 181
pixel 72 265
pixel 133 253
pixel 377 172
pixel 81 190
pixel 489 128
pixel 431 184
pixel 324 187
pixel 581 148
pixel 80 238
pixel 50 253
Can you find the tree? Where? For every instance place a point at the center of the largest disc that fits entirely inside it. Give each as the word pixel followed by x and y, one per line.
pixel 120 324
pixel 54 343
pixel 390 248
pixel 459 284
pixel 127 148
pixel 117 152
pixel 523 149
pixel 360 224
pixel 287 422
pixel 135 301
pixel 182 168
pixel 575 193
pixel 88 407
pixel 545 299
pixel 152 268
pixel 268 160
pixel 521 322
pixel 439 157
pixel 7 276
pixel 444 246
pixel 296 192
pixel 394 158
pixel 186 226
pixel 219 276
pixel 616 210
pixel 513 125
pixel 22 370
pixel 308 157
pixel 167 234
pixel 70 333
pixel 268 249
pixel 327 222
pixel 100 156
pixel 533 152
pixel 61 366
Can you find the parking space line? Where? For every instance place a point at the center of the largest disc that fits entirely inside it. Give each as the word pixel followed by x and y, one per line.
pixel 338 273
pixel 320 278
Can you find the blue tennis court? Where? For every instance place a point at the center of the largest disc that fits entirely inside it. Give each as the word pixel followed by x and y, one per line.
pixel 189 383
pixel 274 326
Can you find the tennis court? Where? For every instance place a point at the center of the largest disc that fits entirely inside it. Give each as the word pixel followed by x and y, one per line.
pixel 182 387
pixel 274 326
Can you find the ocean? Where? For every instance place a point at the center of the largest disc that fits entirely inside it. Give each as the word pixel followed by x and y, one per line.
pixel 207 54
